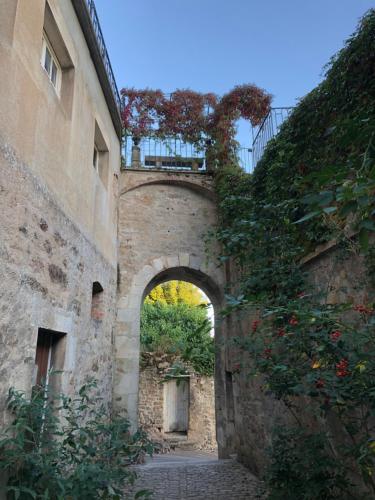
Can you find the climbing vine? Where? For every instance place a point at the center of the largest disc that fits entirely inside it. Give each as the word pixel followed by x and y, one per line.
pixel 314 186
pixel 194 117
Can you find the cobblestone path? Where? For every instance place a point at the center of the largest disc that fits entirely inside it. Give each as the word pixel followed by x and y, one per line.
pixel 195 476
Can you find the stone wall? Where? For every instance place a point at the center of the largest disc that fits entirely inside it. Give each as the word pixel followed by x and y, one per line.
pixel 47 269
pixel 202 412
pixel 58 214
pixel 201 428
pixel 164 218
pixel 150 406
pixel 343 277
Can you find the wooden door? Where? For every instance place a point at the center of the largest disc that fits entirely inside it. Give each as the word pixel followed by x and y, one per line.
pixel 48 356
pixel 43 356
pixel 176 405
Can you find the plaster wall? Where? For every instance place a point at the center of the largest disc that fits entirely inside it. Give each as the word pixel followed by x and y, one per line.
pixel 54 134
pixel 58 218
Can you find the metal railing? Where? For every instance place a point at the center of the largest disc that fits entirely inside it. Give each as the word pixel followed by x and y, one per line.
pixel 171 154
pixel 267 130
pixel 103 50
pixel 244 158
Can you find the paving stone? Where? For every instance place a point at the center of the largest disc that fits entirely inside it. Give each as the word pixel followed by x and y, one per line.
pixel 200 477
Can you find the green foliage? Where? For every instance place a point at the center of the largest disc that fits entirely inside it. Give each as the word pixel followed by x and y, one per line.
pixel 351 194
pixel 177 371
pixel 62 448
pixel 176 292
pixel 306 350
pixel 325 138
pixel 181 330
pixel 301 468
pixel 315 182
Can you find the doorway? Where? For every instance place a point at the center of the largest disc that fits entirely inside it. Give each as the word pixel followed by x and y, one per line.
pixel 49 356
pixel 176 405
pixel 177 359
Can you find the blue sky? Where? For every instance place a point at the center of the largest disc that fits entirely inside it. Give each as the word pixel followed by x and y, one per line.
pixel 212 45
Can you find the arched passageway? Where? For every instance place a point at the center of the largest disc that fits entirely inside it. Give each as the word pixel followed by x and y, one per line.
pixel 164 220
pixel 176 404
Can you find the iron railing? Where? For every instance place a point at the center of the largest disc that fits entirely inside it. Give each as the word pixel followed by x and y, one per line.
pixel 103 50
pixel 171 154
pixel 267 130
pixel 244 158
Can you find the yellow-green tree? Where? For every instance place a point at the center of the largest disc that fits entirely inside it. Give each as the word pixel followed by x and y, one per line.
pixel 176 292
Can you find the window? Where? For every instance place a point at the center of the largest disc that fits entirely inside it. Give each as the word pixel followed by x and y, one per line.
pixel 95 159
pixel 100 156
pixel 56 61
pixel 97 304
pixel 50 64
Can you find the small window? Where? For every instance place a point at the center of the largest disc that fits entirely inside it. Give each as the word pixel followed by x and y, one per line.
pixel 100 156
pixel 95 158
pixel 97 304
pixel 50 64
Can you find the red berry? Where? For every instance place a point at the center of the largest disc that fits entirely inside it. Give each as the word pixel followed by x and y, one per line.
pixel 254 325
pixel 335 335
pixel 293 321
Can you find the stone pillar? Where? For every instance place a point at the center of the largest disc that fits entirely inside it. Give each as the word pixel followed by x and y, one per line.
pixel 136 154
pixel 127 345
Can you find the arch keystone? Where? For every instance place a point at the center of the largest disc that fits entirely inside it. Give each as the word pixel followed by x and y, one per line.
pixel 172 262
pixel 184 259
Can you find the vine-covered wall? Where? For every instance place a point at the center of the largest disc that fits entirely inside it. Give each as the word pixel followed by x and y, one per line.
pixel 297 240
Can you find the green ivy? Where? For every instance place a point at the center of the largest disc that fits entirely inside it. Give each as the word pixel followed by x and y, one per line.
pixel 315 183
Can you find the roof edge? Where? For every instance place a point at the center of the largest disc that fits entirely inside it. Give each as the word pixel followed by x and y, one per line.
pixel 87 16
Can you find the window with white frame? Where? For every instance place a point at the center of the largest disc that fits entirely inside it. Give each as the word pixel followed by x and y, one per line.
pixel 50 64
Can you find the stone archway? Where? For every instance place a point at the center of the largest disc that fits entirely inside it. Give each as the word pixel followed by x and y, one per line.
pixel 163 221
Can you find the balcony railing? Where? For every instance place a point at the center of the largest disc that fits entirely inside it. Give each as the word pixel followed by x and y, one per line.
pixel 171 154
pixel 103 50
pixel 267 130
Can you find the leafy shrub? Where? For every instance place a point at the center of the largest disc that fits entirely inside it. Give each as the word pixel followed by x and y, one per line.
pixel 179 329
pixel 61 448
pixel 315 183
pixel 301 468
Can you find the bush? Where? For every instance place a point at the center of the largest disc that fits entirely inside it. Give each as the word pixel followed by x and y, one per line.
pixel 181 330
pixel 315 183
pixel 63 448
pixel 301 468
